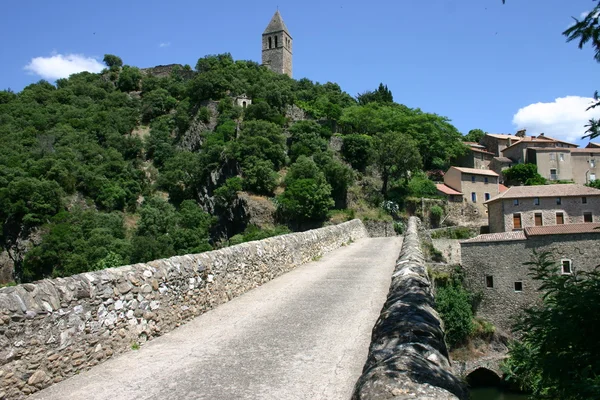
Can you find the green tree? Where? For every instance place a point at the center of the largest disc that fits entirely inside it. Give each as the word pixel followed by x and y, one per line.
pixel 474 135
pixel 381 95
pixel 523 174
pixel 112 61
pixel 556 356
pixel 259 176
pixel 358 151
pixel 396 156
pixel 129 79
pixel 307 195
pixel 263 140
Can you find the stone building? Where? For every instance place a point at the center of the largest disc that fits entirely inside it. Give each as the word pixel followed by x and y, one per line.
pixel 493 265
pixel 277 46
pixel 527 206
pixel 566 164
pixel 476 157
pixel 243 101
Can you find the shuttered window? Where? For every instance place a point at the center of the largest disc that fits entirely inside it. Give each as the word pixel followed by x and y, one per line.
pixel 538 219
pixel 560 219
pixel 516 221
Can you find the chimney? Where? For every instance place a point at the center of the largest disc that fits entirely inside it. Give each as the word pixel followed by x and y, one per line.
pixel 521 133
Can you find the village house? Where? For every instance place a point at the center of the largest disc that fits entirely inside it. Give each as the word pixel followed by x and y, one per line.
pixel 493 265
pixel 476 157
pixel 466 190
pixel 527 206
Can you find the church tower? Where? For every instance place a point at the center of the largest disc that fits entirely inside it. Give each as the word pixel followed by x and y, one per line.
pixel 277 46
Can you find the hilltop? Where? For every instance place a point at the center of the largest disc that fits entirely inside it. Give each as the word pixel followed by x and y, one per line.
pixel 131 164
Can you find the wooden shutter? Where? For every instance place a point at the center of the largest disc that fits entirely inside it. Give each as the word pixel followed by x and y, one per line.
pixel 538 219
pixel 516 221
pixel 560 219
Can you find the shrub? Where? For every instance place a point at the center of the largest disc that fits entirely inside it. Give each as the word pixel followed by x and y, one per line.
pixel 453 302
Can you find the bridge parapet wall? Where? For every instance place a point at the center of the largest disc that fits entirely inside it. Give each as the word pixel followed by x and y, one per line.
pixel 408 358
pixel 52 329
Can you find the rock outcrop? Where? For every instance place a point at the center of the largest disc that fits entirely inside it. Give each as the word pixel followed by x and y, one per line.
pixel 408 358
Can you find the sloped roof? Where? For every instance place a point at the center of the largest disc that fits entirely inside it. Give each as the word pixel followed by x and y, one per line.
pixel 503 159
pixel 564 190
pixel 497 237
pixel 564 229
pixel 276 24
pixel 502 188
pixel 537 139
pixel 501 136
pixel 586 150
pixel 447 189
pixel 592 145
pixel 475 171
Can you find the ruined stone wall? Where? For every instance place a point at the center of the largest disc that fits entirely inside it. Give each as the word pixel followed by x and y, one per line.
pixel 450 249
pixel 52 329
pixel 408 358
pixel 503 261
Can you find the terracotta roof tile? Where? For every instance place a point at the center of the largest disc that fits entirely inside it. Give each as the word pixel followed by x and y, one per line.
pixel 565 190
pixel 502 188
pixel 503 159
pixel 476 171
pixel 497 237
pixel 446 189
pixel 562 229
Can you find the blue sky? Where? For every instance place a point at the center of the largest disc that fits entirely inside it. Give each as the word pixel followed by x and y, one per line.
pixel 480 63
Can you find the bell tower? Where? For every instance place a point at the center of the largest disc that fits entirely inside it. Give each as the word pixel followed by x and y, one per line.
pixel 277 46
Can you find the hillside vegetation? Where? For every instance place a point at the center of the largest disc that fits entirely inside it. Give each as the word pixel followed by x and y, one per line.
pixel 120 167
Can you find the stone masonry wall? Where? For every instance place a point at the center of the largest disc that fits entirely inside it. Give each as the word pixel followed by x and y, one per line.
pixel 408 358
pixel 380 228
pixel 52 329
pixel 504 262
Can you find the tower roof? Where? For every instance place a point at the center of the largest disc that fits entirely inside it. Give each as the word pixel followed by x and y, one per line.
pixel 276 25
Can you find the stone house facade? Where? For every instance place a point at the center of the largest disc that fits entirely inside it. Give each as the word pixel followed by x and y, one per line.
pixel 277 46
pixel 526 206
pixel 476 157
pixel 493 265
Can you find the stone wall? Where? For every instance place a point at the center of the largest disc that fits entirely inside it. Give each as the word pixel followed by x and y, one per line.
pixel 52 329
pixel 408 358
pixel 450 249
pixel 380 228
pixel 503 261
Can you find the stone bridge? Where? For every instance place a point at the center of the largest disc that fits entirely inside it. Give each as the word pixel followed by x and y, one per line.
pixel 111 334
pixel 490 363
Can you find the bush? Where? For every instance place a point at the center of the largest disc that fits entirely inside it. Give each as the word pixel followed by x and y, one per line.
pixel 436 213
pixel 459 232
pixel 453 302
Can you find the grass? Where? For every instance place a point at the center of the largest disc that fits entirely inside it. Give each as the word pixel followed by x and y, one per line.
pixel 135 346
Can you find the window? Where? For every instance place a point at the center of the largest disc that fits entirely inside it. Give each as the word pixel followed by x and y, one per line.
pixel 516 221
pixel 566 267
pixel 536 201
pixel 552 156
pixel 275 41
pixel 538 219
pixel 560 218
pixel 487 196
pixel 587 217
pixel 489 281
pixel 472 178
pixel 561 157
pixel 558 201
pixel 518 286
pixel 270 43
pixel 474 197
pixel 515 202
pixel 486 180
pixel 592 177
pixel 553 174
pixel 592 163
pixel 584 200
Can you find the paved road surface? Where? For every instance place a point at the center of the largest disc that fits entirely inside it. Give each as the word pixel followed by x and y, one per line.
pixel 304 335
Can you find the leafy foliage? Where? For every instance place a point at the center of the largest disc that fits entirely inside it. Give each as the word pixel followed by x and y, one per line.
pixel 474 135
pixel 381 95
pixel 555 356
pixel 523 174
pixel 453 302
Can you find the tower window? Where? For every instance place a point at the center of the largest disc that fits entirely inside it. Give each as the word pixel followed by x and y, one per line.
pixel 518 286
pixel 276 42
pixel 270 43
pixel 489 281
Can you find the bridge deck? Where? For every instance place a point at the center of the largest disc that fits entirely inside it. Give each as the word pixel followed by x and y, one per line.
pixel 304 335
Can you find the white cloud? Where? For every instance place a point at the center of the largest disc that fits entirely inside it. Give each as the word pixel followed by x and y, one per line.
pixel 61 66
pixel 564 118
pixel 164 44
